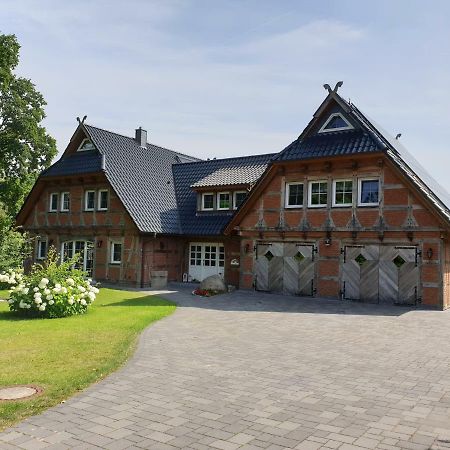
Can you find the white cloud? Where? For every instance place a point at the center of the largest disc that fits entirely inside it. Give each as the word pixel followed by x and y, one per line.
pixel 214 82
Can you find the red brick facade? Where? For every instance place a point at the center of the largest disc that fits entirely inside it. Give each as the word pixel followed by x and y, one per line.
pixel 142 253
pixel 406 219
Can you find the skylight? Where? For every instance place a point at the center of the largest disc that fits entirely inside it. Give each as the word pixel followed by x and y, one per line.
pixel 336 122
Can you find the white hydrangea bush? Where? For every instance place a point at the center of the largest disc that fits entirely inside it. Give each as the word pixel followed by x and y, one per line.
pixel 11 277
pixel 50 290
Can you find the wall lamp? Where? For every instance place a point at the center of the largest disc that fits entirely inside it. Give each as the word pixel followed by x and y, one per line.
pixel 430 253
pixel 328 239
pixel 247 248
pixel 99 244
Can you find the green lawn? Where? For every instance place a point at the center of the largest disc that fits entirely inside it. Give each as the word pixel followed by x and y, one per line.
pixel 65 355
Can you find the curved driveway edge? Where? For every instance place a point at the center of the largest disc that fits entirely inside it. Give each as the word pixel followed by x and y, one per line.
pixel 249 370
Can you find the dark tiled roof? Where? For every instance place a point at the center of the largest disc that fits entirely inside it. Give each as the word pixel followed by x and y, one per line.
pixel 410 167
pixel 157 185
pixel 335 143
pixel 142 178
pixel 82 162
pixel 366 137
pixel 193 174
pixel 233 171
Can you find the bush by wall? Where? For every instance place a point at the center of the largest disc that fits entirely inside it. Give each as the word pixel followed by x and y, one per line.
pixel 52 289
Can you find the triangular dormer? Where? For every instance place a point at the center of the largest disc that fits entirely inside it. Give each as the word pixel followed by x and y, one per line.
pixel 335 122
pixel 86 145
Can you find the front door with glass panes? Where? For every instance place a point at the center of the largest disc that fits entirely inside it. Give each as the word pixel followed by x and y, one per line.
pixel 206 259
pixel 86 251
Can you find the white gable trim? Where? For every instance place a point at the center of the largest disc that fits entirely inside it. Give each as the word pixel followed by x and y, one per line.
pixel 85 141
pixel 332 116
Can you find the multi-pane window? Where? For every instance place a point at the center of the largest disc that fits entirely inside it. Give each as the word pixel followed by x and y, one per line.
pixel 223 200
pixel 89 200
pixel 53 202
pixel 67 250
pixel 65 201
pixel 41 249
pixel 343 193
pixel 79 250
pixel 294 195
pixel 116 252
pixel 369 191
pixel 239 198
pixel 318 193
pixel 103 200
pixel 221 256
pixel 85 252
pixel 196 255
pixel 210 255
pixel 207 202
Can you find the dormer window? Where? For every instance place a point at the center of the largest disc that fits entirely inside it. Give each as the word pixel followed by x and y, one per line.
pixel 336 122
pixel 207 201
pixel 85 146
pixel 239 198
pixel 223 200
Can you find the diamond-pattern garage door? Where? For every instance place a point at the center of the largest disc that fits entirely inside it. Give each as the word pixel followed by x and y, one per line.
pixel 380 273
pixel 285 267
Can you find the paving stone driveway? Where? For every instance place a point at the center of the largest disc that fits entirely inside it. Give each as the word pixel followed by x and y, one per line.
pixel 254 371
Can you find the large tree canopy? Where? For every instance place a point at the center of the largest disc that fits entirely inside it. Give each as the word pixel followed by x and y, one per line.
pixel 25 147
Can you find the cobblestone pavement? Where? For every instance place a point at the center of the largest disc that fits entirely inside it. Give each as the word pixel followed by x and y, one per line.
pixel 253 371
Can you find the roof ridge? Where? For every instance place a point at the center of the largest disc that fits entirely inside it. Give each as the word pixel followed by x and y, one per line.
pixel 227 159
pixel 147 143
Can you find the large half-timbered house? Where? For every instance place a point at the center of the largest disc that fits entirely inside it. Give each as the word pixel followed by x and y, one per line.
pixel 344 211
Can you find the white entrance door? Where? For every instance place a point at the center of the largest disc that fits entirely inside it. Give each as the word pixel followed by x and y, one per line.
pixel 206 259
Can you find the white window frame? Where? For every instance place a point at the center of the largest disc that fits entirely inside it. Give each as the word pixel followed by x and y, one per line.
pixel 203 201
pixel 229 199
pixel 50 206
pixel 39 248
pixel 99 199
pixel 86 200
pixel 360 181
pixel 234 198
pixel 332 116
pixel 287 190
pixel 80 149
pixel 111 248
pixel 322 205
pixel 62 202
pixel 86 246
pixel 341 205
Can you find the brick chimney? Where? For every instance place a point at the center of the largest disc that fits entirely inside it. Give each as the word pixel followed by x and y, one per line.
pixel 141 137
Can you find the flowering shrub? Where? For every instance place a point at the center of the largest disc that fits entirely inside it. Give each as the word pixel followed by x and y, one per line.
pixel 204 292
pixel 11 277
pixel 51 289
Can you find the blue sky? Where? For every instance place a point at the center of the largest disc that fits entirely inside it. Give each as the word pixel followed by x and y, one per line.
pixel 226 78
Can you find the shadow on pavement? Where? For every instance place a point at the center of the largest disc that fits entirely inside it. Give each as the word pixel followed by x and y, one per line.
pixel 267 302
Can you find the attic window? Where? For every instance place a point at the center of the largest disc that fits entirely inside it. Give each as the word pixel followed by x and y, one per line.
pixel 336 122
pixel 85 146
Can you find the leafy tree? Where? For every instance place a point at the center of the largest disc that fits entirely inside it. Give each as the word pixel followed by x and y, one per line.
pixel 25 147
pixel 15 246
